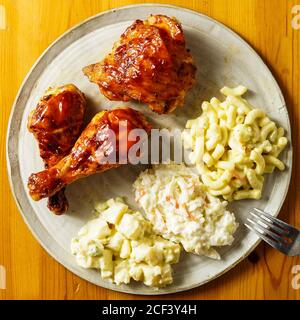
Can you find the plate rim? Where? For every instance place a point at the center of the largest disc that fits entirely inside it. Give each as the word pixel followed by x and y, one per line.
pixel 46 246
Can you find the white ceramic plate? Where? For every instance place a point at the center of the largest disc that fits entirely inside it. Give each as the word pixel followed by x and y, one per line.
pixel 222 58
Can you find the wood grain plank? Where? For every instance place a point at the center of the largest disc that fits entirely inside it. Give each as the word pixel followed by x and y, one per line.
pixel 31 25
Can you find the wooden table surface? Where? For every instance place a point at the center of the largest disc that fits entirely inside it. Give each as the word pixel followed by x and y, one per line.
pixel 27 27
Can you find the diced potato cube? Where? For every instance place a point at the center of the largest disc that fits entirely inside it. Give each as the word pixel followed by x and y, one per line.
pixel 134 243
pixel 94 249
pixel 83 261
pixel 107 275
pixel 75 246
pixel 139 216
pixel 166 276
pixel 114 213
pixel 115 242
pixel 86 261
pixel 130 227
pixel 172 254
pixel 136 272
pixel 110 202
pixel 144 252
pixel 125 249
pixel 171 250
pixel 121 272
pixel 106 263
pixel 101 206
pixel 97 229
pixel 95 262
pixel 152 275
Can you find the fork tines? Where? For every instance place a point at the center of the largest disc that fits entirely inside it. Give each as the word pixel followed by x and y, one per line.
pixel 275 232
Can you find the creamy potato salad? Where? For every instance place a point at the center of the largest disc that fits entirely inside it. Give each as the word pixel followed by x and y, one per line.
pixel 180 209
pixel 122 245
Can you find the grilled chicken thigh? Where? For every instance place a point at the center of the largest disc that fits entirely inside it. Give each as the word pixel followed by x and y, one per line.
pixel 91 152
pixel 56 124
pixel 149 63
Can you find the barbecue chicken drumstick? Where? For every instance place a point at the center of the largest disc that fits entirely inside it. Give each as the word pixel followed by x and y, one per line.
pixel 149 63
pixel 56 124
pixel 91 152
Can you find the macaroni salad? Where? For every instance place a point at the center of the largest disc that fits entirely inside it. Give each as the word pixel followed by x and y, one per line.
pixel 233 144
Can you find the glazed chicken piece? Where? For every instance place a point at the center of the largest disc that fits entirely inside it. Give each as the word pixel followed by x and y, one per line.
pixel 56 124
pixel 150 64
pixel 96 150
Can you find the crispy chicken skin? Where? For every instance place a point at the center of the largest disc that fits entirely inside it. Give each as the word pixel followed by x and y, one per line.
pixel 56 123
pixel 90 153
pixel 149 63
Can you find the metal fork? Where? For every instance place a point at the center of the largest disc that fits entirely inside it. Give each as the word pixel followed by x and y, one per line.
pixel 275 232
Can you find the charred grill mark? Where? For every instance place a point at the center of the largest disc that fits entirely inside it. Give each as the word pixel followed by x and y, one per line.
pixel 82 161
pixel 149 64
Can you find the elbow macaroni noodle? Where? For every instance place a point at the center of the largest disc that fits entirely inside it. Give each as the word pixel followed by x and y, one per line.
pixel 233 144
